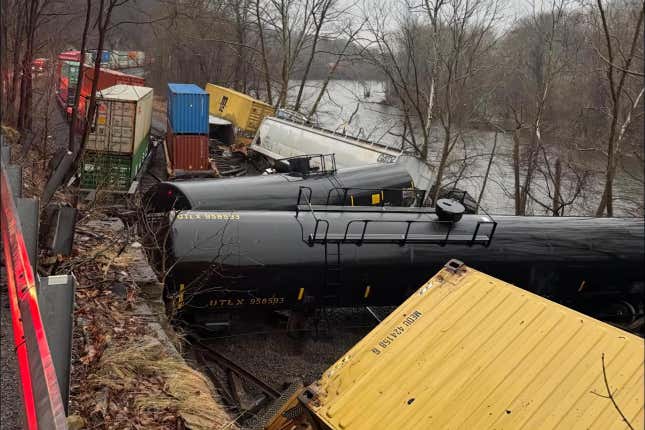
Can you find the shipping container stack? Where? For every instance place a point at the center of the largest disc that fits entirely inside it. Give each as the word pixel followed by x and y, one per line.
pixel 187 131
pixel 117 144
pixel 67 75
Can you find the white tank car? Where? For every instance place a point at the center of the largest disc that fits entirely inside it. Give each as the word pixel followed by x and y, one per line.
pixel 278 138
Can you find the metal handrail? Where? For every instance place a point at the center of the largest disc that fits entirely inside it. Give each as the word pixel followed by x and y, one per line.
pixel 405 237
pixel 323 162
pixel 312 238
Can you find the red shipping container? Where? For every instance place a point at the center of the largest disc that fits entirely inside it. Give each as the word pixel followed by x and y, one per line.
pixel 107 78
pixel 188 152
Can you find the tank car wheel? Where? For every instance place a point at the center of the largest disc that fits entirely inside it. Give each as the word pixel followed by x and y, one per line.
pixel 623 312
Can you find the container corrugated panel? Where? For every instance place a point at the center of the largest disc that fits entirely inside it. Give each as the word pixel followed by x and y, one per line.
pixel 467 351
pixel 105 171
pixel 122 123
pixel 243 111
pixel 188 151
pixel 258 112
pixel 188 109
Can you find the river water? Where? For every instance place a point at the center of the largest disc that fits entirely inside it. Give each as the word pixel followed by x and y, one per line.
pixel 357 108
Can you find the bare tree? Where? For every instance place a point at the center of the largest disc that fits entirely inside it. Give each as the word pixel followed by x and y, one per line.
pixel 433 66
pixel 539 59
pixel 79 79
pixel 291 21
pixel 319 13
pixel 618 64
pixel 350 39
pixel 263 50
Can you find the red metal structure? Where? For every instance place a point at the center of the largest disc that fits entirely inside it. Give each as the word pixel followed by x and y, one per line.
pixel 188 152
pixel 43 406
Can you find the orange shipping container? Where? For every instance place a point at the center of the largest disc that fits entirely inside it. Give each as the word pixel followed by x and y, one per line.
pixel 188 152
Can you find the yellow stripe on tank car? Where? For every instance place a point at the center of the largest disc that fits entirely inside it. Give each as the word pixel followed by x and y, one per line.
pixel 367 292
pixel 351 199
pixel 301 293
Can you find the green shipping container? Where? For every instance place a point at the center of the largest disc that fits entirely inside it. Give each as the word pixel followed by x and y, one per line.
pixel 107 171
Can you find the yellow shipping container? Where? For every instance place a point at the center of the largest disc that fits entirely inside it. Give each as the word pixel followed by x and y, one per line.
pixel 245 112
pixel 468 351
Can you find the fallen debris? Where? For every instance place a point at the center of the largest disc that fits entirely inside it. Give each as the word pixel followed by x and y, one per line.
pixel 127 372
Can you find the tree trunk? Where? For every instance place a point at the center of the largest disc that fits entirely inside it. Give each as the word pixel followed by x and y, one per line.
pixel 428 124
pixel 15 78
pixel 319 25
pixel 265 63
pixel 314 108
pixel 4 59
pixel 25 109
pixel 442 166
pixel 490 163
pixel 516 171
pixel 79 80
pixel 557 186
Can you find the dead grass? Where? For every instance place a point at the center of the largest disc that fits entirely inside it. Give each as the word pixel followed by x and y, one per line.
pixel 123 376
pixel 184 391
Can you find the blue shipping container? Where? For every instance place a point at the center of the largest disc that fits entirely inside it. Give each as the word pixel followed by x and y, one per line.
pixel 187 109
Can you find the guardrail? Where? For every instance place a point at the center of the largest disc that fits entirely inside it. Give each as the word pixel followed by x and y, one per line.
pixel 41 394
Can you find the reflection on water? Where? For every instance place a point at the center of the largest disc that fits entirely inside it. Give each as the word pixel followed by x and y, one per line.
pixel 357 108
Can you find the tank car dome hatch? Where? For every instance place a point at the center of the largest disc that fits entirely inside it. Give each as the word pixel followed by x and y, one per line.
pixel 449 210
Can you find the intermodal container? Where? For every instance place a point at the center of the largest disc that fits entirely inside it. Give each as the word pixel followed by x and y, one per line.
pixel 105 171
pixel 187 109
pixel 107 78
pixel 122 122
pixel 188 152
pixel 66 56
pixel 245 112
pixel 468 351
pixel 67 82
pixel 90 57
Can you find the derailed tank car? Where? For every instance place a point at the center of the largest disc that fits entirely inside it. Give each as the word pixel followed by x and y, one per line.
pixel 375 184
pixel 344 256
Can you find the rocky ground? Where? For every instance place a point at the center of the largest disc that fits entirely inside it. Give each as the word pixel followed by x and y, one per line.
pixel 262 345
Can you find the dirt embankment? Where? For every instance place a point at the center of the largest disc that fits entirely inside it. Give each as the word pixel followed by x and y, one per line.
pixel 126 369
pixel 127 372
